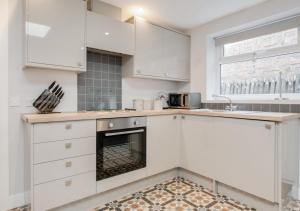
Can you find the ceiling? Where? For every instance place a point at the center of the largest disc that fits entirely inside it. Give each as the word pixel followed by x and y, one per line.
pixel 182 14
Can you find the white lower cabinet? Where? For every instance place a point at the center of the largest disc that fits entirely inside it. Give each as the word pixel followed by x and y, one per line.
pixel 236 152
pixel 50 171
pixel 58 150
pixel 61 157
pixel 163 143
pixel 63 191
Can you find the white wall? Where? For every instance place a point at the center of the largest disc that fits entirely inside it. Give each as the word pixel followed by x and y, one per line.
pixel 106 9
pixel 203 71
pixel 4 188
pixel 133 88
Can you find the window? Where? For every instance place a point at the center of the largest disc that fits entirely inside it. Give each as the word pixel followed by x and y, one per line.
pixel 261 62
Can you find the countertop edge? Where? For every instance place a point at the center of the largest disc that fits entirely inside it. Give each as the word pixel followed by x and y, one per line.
pixel 80 116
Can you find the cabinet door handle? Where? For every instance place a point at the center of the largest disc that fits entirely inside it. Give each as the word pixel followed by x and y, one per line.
pixel 68 145
pixel 182 117
pixel 268 126
pixel 174 117
pixel 68 183
pixel 68 126
pixel 79 64
pixel 68 164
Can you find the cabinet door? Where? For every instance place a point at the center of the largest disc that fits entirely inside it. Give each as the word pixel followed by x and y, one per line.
pixel 149 49
pixel 177 55
pixel 245 154
pixel 196 145
pixel 107 34
pixel 239 153
pixel 163 139
pixel 55 34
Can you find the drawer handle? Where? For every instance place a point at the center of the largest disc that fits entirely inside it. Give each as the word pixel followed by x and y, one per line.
pixel 268 127
pixel 68 126
pixel 68 145
pixel 182 117
pixel 174 117
pixel 68 164
pixel 68 183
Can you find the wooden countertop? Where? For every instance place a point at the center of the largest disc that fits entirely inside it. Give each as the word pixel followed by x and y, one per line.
pixel 89 115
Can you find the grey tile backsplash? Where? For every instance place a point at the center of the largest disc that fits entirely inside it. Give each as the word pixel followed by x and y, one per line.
pixel 100 87
pixel 287 108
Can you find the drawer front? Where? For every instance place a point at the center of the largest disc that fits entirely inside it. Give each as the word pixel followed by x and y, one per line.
pixel 50 151
pixel 60 192
pixel 50 171
pixel 56 131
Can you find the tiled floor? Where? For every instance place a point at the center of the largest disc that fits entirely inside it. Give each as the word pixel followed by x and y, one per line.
pixel 177 194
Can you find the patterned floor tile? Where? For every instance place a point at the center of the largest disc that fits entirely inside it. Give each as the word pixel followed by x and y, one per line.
pixel 177 194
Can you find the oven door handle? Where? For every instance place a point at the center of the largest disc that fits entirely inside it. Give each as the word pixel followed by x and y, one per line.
pixel 124 133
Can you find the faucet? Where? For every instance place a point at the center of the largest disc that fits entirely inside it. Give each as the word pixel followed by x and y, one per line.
pixel 231 107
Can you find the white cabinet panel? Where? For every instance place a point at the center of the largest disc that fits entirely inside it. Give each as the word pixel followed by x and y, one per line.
pixel 163 143
pixel 176 55
pixel 160 53
pixel 55 34
pixel 105 33
pixel 245 150
pixel 149 49
pixel 46 132
pixel 60 192
pixel 239 153
pixel 50 171
pixel 196 145
pixel 50 151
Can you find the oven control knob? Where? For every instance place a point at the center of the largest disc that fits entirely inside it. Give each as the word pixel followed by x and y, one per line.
pixel 136 122
pixel 111 125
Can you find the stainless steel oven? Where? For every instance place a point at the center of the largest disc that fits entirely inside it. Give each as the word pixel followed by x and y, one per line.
pixel 121 146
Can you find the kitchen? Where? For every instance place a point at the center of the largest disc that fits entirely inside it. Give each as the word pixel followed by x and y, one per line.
pixel 116 65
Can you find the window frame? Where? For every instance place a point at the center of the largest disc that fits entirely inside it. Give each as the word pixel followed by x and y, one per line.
pixel 261 54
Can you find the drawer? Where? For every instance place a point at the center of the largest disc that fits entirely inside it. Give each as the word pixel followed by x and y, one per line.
pixel 50 171
pixel 56 131
pixel 60 192
pixel 50 151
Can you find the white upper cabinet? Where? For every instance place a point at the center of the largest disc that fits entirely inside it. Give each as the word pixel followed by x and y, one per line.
pixel 149 49
pixel 105 33
pixel 160 53
pixel 55 34
pixel 176 54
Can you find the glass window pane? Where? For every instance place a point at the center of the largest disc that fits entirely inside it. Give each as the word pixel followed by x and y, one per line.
pixel 266 42
pixel 262 76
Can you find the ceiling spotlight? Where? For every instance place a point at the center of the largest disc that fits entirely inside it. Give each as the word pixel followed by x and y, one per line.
pixel 139 11
pixel 106 33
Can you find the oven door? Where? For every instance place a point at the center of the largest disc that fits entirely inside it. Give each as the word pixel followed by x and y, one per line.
pixel 120 151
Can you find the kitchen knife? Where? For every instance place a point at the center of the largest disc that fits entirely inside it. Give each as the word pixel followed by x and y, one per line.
pixel 56 90
pixel 52 101
pixel 43 95
pixel 58 101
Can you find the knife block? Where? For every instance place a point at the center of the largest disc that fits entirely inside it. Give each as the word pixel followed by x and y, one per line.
pixel 46 102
